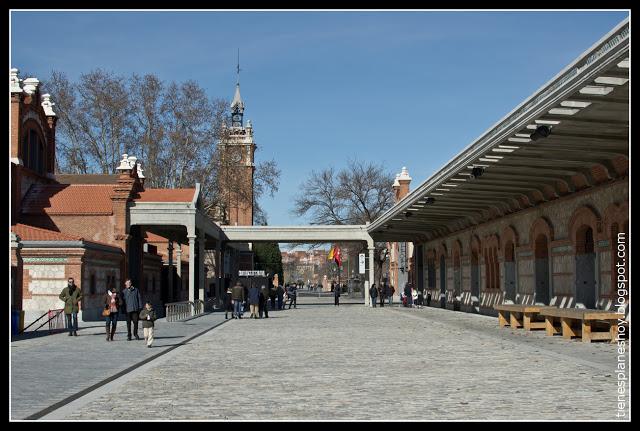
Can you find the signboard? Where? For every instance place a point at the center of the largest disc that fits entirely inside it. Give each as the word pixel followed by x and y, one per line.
pixel 252 273
pixel 361 263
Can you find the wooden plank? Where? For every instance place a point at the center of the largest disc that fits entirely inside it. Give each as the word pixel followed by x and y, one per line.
pixel 602 315
pixel 567 331
pixel 586 331
pixel 613 332
pixel 549 325
pixel 515 323
pixel 501 320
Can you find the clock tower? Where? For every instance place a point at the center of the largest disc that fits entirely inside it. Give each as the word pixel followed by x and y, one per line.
pixel 237 149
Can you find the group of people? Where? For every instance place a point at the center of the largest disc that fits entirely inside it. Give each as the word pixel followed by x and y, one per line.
pixel 412 297
pixel 128 301
pixel 384 292
pixel 255 300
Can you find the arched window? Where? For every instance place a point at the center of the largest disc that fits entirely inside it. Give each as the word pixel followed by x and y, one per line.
pixel 32 151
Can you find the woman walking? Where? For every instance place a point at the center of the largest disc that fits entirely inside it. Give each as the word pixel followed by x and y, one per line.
pixel 254 301
pixel 112 303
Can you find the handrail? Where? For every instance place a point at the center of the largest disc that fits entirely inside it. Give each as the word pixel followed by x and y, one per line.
pixel 33 323
pixel 48 313
pixel 177 311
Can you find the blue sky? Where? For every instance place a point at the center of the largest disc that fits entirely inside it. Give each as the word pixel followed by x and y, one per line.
pixel 402 88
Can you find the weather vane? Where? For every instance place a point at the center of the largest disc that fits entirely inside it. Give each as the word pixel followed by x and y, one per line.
pixel 238 67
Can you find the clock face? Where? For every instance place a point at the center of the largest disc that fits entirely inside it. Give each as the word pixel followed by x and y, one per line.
pixel 236 155
pixel 237 118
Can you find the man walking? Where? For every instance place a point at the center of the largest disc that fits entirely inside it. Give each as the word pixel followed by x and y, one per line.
pixel 336 297
pixel 71 296
pixel 264 299
pixel 280 295
pixel 132 306
pixel 237 296
pixel 293 293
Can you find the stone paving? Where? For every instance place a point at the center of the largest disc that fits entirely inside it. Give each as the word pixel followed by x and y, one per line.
pixel 48 369
pixel 359 363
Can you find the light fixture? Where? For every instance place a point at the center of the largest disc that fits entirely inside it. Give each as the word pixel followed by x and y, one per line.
pixel 540 132
pixel 477 172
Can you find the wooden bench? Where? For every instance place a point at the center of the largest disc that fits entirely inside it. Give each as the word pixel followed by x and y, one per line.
pixel 587 317
pixel 528 313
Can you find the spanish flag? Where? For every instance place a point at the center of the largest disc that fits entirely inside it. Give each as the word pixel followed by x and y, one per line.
pixel 330 257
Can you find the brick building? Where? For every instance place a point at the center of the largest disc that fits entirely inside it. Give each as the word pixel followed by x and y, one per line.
pixel 537 208
pixel 81 226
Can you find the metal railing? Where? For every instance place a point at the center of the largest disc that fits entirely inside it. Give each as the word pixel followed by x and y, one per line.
pixel 55 319
pixel 177 311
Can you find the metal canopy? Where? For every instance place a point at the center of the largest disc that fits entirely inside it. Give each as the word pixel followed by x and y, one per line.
pixel 586 107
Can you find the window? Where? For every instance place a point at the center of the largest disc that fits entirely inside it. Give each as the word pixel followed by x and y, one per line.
pixel 32 151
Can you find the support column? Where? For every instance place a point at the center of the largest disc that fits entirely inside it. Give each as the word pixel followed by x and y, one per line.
pixel 201 268
pixel 192 268
pixel 169 297
pixel 219 272
pixel 177 297
pixel 372 271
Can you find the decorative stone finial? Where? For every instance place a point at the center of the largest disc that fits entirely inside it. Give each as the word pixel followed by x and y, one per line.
pixel 30 85
pixel 14 81
pixel 404 176
pixel 396 183
pixel 47 105
pixel 140 174
pixel 124 164
pixel 249 126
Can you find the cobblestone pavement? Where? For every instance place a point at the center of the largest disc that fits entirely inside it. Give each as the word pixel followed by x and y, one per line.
pixel 48 369
pixel 359 363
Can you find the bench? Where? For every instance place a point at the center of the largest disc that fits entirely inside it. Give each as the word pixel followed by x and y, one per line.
pixel 529 311
pixel 587 317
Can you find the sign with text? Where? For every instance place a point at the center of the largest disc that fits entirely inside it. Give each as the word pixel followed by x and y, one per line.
pixel 252 273
pixel 361 263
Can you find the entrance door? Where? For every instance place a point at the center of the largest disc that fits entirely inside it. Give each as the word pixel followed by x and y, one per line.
pixel 509 273
pixel 542 269
pixel 475 275
pixel 586 292
pixel 443 283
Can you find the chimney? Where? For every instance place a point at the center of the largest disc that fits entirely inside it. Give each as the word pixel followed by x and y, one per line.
pixel 404 179
pixel 396 188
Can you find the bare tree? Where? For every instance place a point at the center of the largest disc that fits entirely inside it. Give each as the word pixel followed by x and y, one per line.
pixel 357 194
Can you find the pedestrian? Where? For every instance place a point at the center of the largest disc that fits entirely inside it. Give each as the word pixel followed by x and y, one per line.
pixel 272 297
pixel 264 298
pixel 414 296
pixel 373 292
pixel 148 316
pixel 293 293
pixel 336 297
pixel 280 294
pixel 382 293
pixel 420 298
pixel 132 306
pixel 254 301
pixel 71 296
pixel 112 304
pixel 407 295
pixel 237 298
pixel 246 298
pixel 392 290
pixel 228 304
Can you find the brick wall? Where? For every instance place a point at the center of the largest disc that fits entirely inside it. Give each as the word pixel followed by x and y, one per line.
pixel 598 207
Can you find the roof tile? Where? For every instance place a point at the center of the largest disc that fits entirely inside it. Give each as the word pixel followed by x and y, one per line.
pixel 84 199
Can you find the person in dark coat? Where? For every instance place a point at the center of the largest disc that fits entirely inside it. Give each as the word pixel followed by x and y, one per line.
pixel 373 292
pixel 336 297
pixel 148 316
pixel 293 293
pixel 112 303
pixel 280 296
pixel 71 296
pixel 238 297
pixel 264 297
pixel 132 306
pixel 254 301
pixel 228 304
pixel 272 297
pixel 407 294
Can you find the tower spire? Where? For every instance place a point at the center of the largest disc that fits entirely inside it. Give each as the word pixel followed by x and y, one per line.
pixel 237 105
